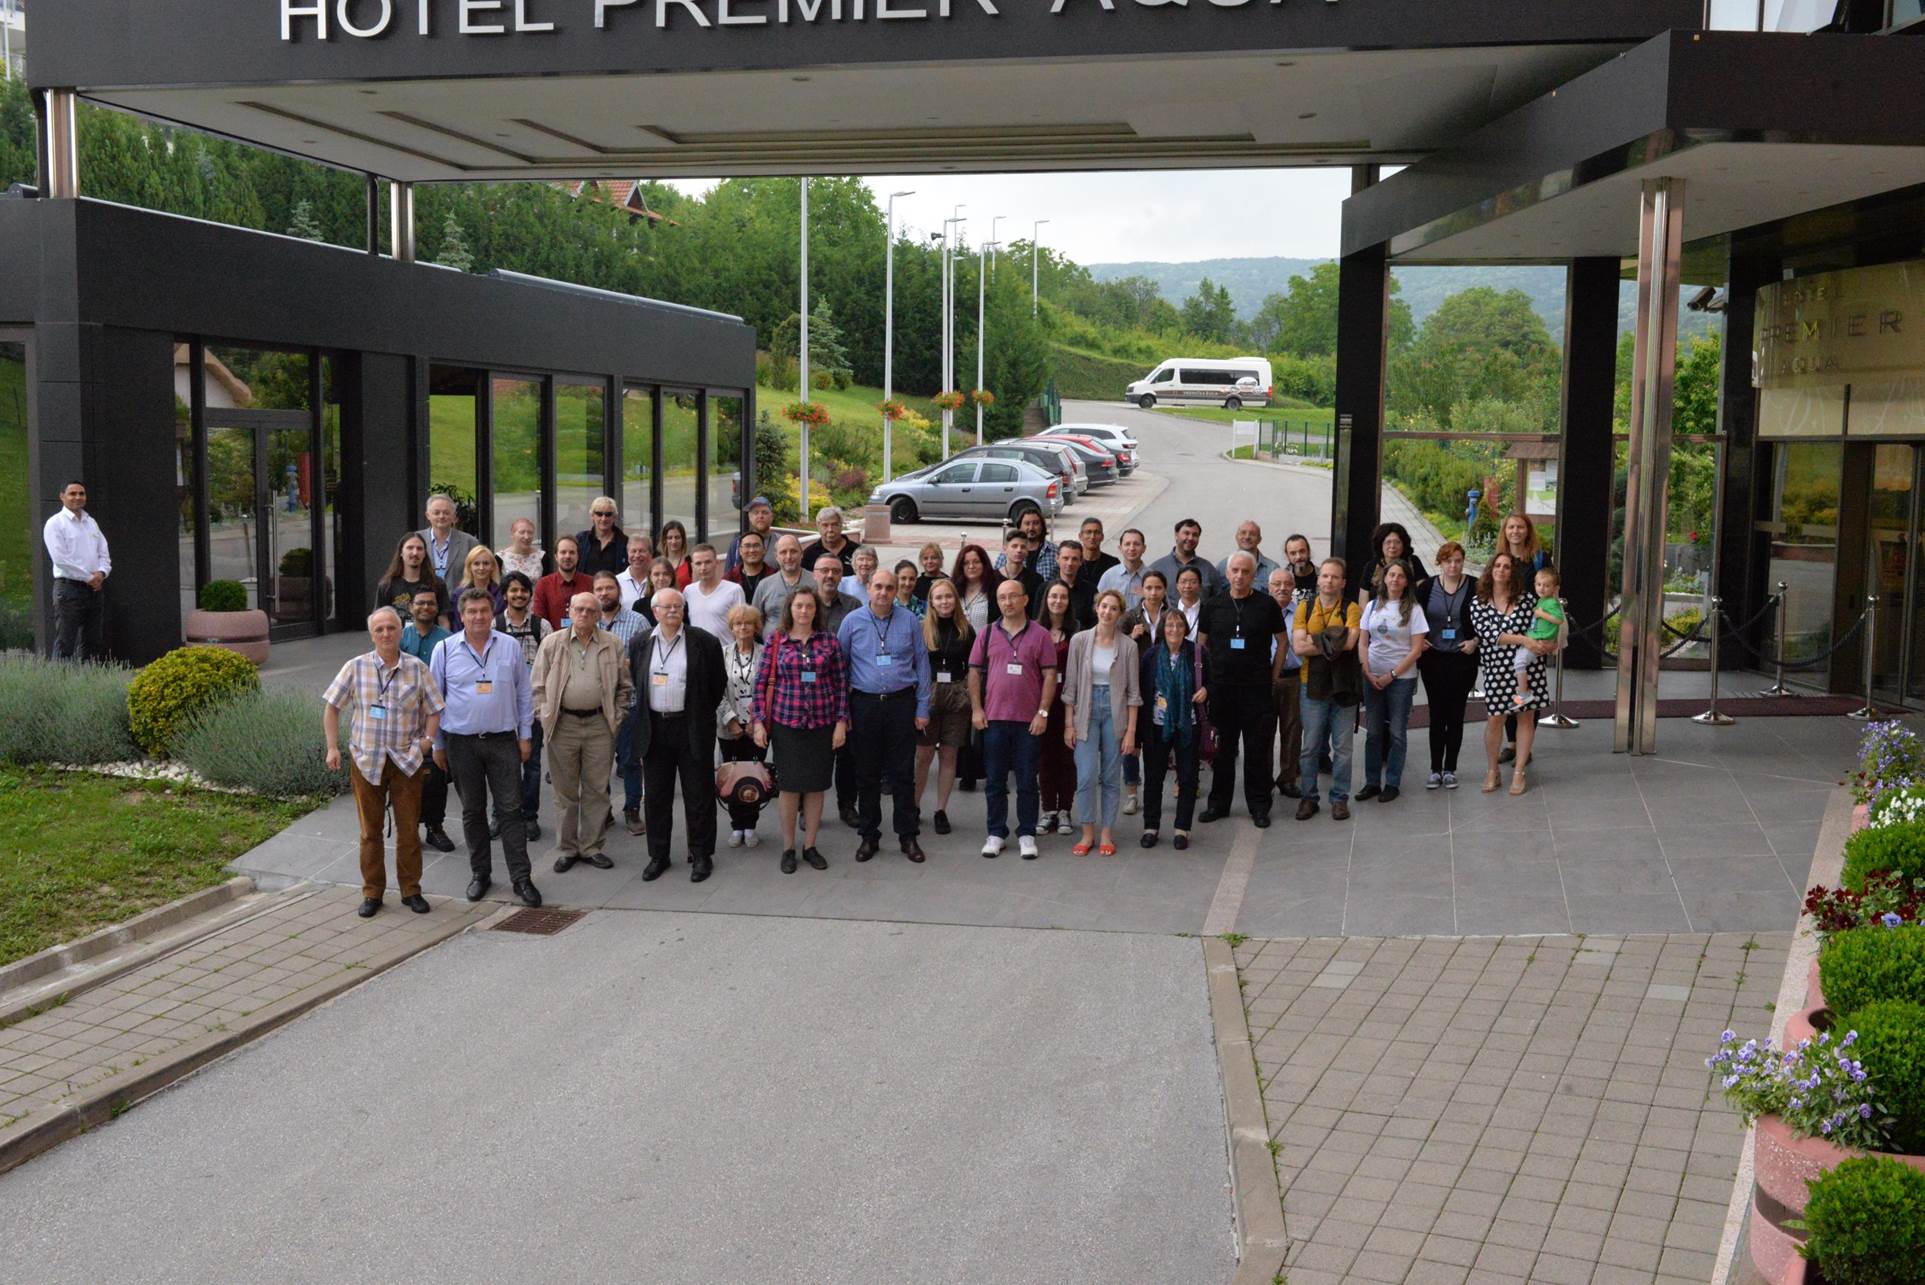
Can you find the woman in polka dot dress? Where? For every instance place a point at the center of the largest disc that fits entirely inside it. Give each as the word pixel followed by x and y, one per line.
pixel 1500 613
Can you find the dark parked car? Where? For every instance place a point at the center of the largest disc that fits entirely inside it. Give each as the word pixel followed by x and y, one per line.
pixel 1100 463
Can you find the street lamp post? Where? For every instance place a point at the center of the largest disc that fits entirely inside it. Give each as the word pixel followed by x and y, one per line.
pixel 994 244
pixel 889 335
pixel 802 441
pixel 982 280
pixel 1032 264
pixel 949 320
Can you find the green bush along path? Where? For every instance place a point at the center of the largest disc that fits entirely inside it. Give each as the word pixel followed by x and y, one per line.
pixel 79 851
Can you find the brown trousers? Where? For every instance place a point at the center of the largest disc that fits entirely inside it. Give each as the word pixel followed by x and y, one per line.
pixel 1284 694
pixel 403 793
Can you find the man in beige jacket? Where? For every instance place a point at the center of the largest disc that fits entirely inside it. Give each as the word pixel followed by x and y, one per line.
pixel 582 692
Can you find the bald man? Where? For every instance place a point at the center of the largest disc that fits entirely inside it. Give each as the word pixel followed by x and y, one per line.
pixel 679 682
pixel 394 712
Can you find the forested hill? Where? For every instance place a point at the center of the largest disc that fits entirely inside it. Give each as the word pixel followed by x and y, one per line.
pixel 1250 281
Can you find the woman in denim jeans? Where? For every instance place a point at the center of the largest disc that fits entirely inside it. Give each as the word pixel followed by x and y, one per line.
pixel 1394 629
pixel 1100 702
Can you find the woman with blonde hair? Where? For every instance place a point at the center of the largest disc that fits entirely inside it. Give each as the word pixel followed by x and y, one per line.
pixel 1101 696
pixel 948 636
pixel 481 571
pixel 734 721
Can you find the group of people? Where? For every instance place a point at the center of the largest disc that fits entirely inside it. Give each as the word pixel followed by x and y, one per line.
pixel 1091 677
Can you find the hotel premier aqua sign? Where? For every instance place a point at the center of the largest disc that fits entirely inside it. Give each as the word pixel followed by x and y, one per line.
pixel 374 19
pixel 1836 327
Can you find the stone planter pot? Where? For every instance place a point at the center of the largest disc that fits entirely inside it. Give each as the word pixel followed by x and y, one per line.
pixel 1782 1164
pixel 241 632
pixel 1806 1023
pixel 1861 816
pixel 1814 992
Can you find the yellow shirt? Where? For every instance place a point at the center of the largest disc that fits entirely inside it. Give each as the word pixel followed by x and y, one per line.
pixel 1313 619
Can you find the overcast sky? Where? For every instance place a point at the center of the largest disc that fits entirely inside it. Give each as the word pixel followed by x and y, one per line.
pixel 1175 216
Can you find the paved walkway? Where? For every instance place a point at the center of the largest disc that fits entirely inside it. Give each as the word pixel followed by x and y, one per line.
pixel 1498 1110
pixel 293 946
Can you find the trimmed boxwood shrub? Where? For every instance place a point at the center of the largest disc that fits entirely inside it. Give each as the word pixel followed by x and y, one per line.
pixel 1891 1045
pixel 166 695
pixel 54 712
pixel 223 595
pixel 267 741
pixel 1890 847
pixel 1865 1223
pixel 1866 965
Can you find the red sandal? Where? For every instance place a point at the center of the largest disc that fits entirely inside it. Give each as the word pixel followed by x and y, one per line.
pixel 1107 850
pixel 1080 850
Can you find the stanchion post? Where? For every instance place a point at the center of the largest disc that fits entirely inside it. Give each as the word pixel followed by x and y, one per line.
pixel 1778 687
pixel 1868 710
pixel 1556 718
pixel 1712 717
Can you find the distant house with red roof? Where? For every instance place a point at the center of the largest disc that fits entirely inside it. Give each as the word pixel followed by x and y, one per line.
pixel 624 193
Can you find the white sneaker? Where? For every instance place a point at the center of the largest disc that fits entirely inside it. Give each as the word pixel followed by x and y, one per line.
pixel 1064 825
pixel 993 846
pixel 1434 780
pixel 1129 804
pixel 1026 845
pixel 750 839
pixel 1450 780
pixel 735 838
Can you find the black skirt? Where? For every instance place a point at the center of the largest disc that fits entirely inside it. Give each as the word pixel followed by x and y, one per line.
pixel 804 758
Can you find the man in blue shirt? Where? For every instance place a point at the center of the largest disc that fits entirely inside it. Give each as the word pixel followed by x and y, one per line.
pixel 889 689
pixel 485 738
pixel 419 637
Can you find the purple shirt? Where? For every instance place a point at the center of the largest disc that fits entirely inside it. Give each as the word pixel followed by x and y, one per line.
pixel 1016 697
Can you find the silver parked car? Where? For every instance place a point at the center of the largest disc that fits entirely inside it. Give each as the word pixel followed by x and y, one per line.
pixel 978 490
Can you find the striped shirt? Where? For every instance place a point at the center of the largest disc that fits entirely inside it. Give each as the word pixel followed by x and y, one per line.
pixel 405 695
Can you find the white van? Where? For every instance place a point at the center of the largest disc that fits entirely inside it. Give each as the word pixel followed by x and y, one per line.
pixel 1229 382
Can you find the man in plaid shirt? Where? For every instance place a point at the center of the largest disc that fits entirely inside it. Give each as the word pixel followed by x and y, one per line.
pixel 394 712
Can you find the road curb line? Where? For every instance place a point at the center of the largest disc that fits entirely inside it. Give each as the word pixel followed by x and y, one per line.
pixel 108 1099
pixel 1261 1241
pixel 140 931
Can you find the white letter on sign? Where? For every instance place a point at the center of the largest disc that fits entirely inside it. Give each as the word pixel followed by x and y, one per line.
pixel 317 11
pixel 344 14
pixel 661 12
pixel 603 6
pixel 885 9
pixel 1057 7
pixel 726 17
pixel 469 27
pixel 522 23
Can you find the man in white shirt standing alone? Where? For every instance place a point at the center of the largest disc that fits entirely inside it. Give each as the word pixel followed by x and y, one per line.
pixel 78 552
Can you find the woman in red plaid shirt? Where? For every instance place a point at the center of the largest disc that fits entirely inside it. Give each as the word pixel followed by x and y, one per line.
pixel 802 709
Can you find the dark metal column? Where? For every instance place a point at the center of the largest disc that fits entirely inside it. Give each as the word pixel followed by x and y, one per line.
pixel 1653 371
pixel 1585 461
pixel 1363 308
pixel 372 188
pixel 1745 487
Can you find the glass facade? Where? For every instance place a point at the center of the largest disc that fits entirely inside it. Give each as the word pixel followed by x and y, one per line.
pixel 19 535
pixel 514 441
pixel 726 475
pixel 638 459
pixel 1802 534
pixel 454 423
pixel 681 455
pixel 581 428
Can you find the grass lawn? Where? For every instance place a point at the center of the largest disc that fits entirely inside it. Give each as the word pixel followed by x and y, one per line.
pixel 80 852
pixel 1295 416
pixel 855 403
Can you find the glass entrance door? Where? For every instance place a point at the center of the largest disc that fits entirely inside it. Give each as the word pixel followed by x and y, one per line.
pixel 1893 552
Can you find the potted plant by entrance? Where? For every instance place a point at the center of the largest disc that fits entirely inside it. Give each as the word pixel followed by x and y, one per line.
pixel 1890 758
pixel 224 619
pixel 294 587
pixel 1865 1224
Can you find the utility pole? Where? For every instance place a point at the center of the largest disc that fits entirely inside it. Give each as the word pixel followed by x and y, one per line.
pixel 802 445
pixel 949 320
pixel 889 335
pixel 1032 264
pixel 982 280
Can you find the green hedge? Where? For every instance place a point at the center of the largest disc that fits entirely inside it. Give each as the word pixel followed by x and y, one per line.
pixel 1865 1223
pixel 1083 376
pixel 1862 966
pixel 1891 1044
pixel 168 694
pixel 269 742
pixel 1888 847
pixel 54 712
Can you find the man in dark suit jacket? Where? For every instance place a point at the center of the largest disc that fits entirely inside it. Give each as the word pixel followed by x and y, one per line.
pixel 448 545
pixel 679 682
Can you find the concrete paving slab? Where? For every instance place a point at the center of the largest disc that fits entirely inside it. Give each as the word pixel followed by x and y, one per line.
pixel 683 1098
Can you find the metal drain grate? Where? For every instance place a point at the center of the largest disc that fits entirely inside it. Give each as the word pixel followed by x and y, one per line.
pixel 542 923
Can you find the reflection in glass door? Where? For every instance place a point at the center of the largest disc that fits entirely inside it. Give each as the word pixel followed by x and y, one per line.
pixel 291 484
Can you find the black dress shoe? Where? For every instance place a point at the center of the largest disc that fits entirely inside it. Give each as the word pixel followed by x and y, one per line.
pixel 815 859
pixel 849 818
pixel 1149 838
pixel 478 888
pixel 788 861
pixel 1181 842
pixel 1368 792
pixel 912 850
pixel 564 864
pixel 368 906
pixel 1290 789
pixel 599 860
pixel 1306 809
pixel 867 848
pixel 438 839
pixel 700 868
pixel 941 821
pixel 1390 792
pixel 1261 820
pixel 533 831
pixel 1212 814
pixel 653 870
pixel 416 903
pixel 525 889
